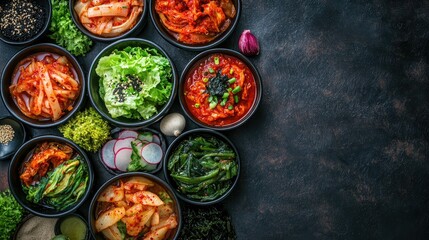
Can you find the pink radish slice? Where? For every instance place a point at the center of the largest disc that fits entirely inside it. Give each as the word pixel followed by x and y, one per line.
pixel 128 133
pixel 108 155
pixel 123 159
pixel 152 153
pixel 122 143
pixel 155 139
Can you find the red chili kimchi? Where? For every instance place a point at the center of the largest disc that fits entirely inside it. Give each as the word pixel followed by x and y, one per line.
pixel 220 90
pixel 45 86
pixel 195 21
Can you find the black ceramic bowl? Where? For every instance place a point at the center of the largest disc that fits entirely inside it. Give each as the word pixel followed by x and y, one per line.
pixel 24 153
pixel 206 133
pixel 26 229
pixel 92 208
pixel 199 59
pixel 141 22
pixel 8 73
pixel 6 150
pixel 116 135
pixel 47 7
pixel 199 47
pixel 59 222
pixel 97 101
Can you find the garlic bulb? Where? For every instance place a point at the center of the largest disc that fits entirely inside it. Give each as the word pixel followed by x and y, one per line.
pixel 248 44
pixel 172 124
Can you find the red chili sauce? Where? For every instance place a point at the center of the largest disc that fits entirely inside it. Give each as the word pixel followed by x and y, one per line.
pixel 219 90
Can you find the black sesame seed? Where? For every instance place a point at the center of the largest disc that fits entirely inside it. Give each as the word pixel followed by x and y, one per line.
pixel 21 19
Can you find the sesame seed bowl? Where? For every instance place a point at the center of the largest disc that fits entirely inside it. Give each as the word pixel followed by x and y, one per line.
pixel 12 136
pixel 23 21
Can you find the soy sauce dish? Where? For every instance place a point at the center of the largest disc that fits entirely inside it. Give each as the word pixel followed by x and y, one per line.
pixel 135 205
pixel 220 89
pixel 50 176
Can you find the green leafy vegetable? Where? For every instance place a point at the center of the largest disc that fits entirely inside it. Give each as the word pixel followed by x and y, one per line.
pixel 137 164
pixel 64 31
pixel 122 229
pixel 134 82
pixel 87 129
pixel 211 223
pixel 62 187
pixel 10 214
pixel 203 168
pixel 165 197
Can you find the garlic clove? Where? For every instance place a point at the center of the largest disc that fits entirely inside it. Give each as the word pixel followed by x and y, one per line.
pixel 173 124
pixel 248 44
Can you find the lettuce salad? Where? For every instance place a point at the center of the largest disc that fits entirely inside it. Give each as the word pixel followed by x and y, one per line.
pixel 134 82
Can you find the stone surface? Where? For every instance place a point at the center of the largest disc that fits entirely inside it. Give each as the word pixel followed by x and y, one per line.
pixel 339 146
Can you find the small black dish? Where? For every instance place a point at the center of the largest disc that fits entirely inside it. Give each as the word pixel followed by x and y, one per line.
pixel 132 32
pixel 60 220
pixel 93 211
pixel 94 86
pixel 7 150
pixel 8 72
pixel 195 61
pixel 115 134
pixel 200 47
pixel 15 186
pixel 204 133
pixel 47 7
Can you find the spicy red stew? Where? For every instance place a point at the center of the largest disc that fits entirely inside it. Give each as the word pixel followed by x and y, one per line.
pixel 220 90
pixel 195 21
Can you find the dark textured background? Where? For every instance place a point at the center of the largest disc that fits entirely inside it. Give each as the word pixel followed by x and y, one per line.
pixel 339 146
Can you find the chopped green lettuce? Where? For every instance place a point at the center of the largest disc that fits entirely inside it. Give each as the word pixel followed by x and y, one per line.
pixel 134 82
pixel 11 214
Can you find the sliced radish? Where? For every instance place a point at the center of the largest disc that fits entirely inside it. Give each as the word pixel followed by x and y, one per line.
pixel 155 139
pixel 123 159
pixel 152 153
pixel 128 133
pixel 139 145
pixel 145 136
pixel 123 143
pixel 108 155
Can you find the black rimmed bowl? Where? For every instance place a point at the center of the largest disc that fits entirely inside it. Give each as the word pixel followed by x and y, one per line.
pixel 8 74
pixel 93 210
pixel 116 134
pixel 197 47
pixel 94 87
pixel 141 22
pixel 7 150
pixel 198 61
pixel 15 168
pixel 59 231
pixel 47 8
pixel 205 133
